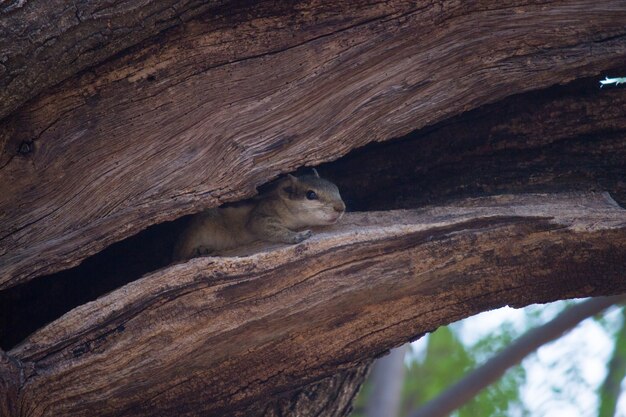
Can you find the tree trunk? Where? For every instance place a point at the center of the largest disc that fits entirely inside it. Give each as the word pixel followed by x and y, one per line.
pixel 10 380
pixel 217 106
pixel 214 335
pixel 43 42
pixel 331 397
pixel 165 122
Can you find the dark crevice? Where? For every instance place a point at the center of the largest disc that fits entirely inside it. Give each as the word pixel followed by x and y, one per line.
pixel 27 307
pixel 520 144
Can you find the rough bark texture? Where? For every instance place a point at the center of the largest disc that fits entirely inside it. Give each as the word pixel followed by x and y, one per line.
pixel 186 121
pixel 217 335
pixel 331 397
pixel 569 137
pixel 43 42
pixel 10 380
pixel 527 143
pixel 209 109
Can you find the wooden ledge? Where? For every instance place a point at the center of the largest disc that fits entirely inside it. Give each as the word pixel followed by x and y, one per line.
pixel 206 112
pixel 219 333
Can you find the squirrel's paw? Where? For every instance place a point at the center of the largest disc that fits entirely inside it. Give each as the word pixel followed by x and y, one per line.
pixel 300 236
pixel 204 251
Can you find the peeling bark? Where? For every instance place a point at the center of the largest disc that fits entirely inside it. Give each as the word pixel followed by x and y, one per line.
pixel 186 121
pixel 215 335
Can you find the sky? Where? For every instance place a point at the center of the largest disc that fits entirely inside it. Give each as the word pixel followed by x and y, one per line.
pixel 562 376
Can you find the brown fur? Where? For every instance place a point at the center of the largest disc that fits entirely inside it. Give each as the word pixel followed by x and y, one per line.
pixel 272 217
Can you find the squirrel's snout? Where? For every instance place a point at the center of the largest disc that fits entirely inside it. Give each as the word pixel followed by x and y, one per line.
pixel 339 207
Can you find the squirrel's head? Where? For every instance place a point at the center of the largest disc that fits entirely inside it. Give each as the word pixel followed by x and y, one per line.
pixel 315 201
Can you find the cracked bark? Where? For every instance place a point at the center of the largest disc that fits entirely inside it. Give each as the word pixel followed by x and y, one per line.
pixel 215 336
pixel 563 138
pixel 10 380
pixel 43 42
pixel 207 110
pixel 335 77
pixel 331 397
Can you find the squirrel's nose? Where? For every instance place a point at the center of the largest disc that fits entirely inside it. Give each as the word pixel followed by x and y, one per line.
pixel 339 207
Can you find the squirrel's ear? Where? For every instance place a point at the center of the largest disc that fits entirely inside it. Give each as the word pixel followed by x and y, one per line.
pixel 287 190
pixel 315 173
pixel 289 185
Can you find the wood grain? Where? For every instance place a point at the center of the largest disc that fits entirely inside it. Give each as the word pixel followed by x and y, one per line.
pixel 43 42
pixel 562 138
pixel 215 335
pixel 10 379
pixel 207 111
pixel 331 397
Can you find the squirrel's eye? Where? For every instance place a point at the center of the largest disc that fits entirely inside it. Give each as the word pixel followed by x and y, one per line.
pixel 311 195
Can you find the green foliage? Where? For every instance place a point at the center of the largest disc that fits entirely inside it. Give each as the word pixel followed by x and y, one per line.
pixel 451 352
pixel 498 399
pixel 609 391
pixel 447 360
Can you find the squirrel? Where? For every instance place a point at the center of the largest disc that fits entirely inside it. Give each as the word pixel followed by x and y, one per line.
pixel 293 204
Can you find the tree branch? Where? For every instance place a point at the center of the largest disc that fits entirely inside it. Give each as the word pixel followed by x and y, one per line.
pixel 331 397
pixel 204 113
pixel 483 376
pixel 215 335
pixel 45 42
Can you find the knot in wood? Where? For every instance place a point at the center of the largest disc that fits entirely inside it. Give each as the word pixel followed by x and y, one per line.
pixel 26 147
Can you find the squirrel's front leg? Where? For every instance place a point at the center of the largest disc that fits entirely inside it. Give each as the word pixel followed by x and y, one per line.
pixel 203 251
pixel 271 230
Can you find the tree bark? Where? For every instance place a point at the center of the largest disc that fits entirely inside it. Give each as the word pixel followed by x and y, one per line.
pixel 209 110
pixel 331 397
pixel 528 143
pixel 10 379
pixel 563 138
pixel 215 336
pixel 43 42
